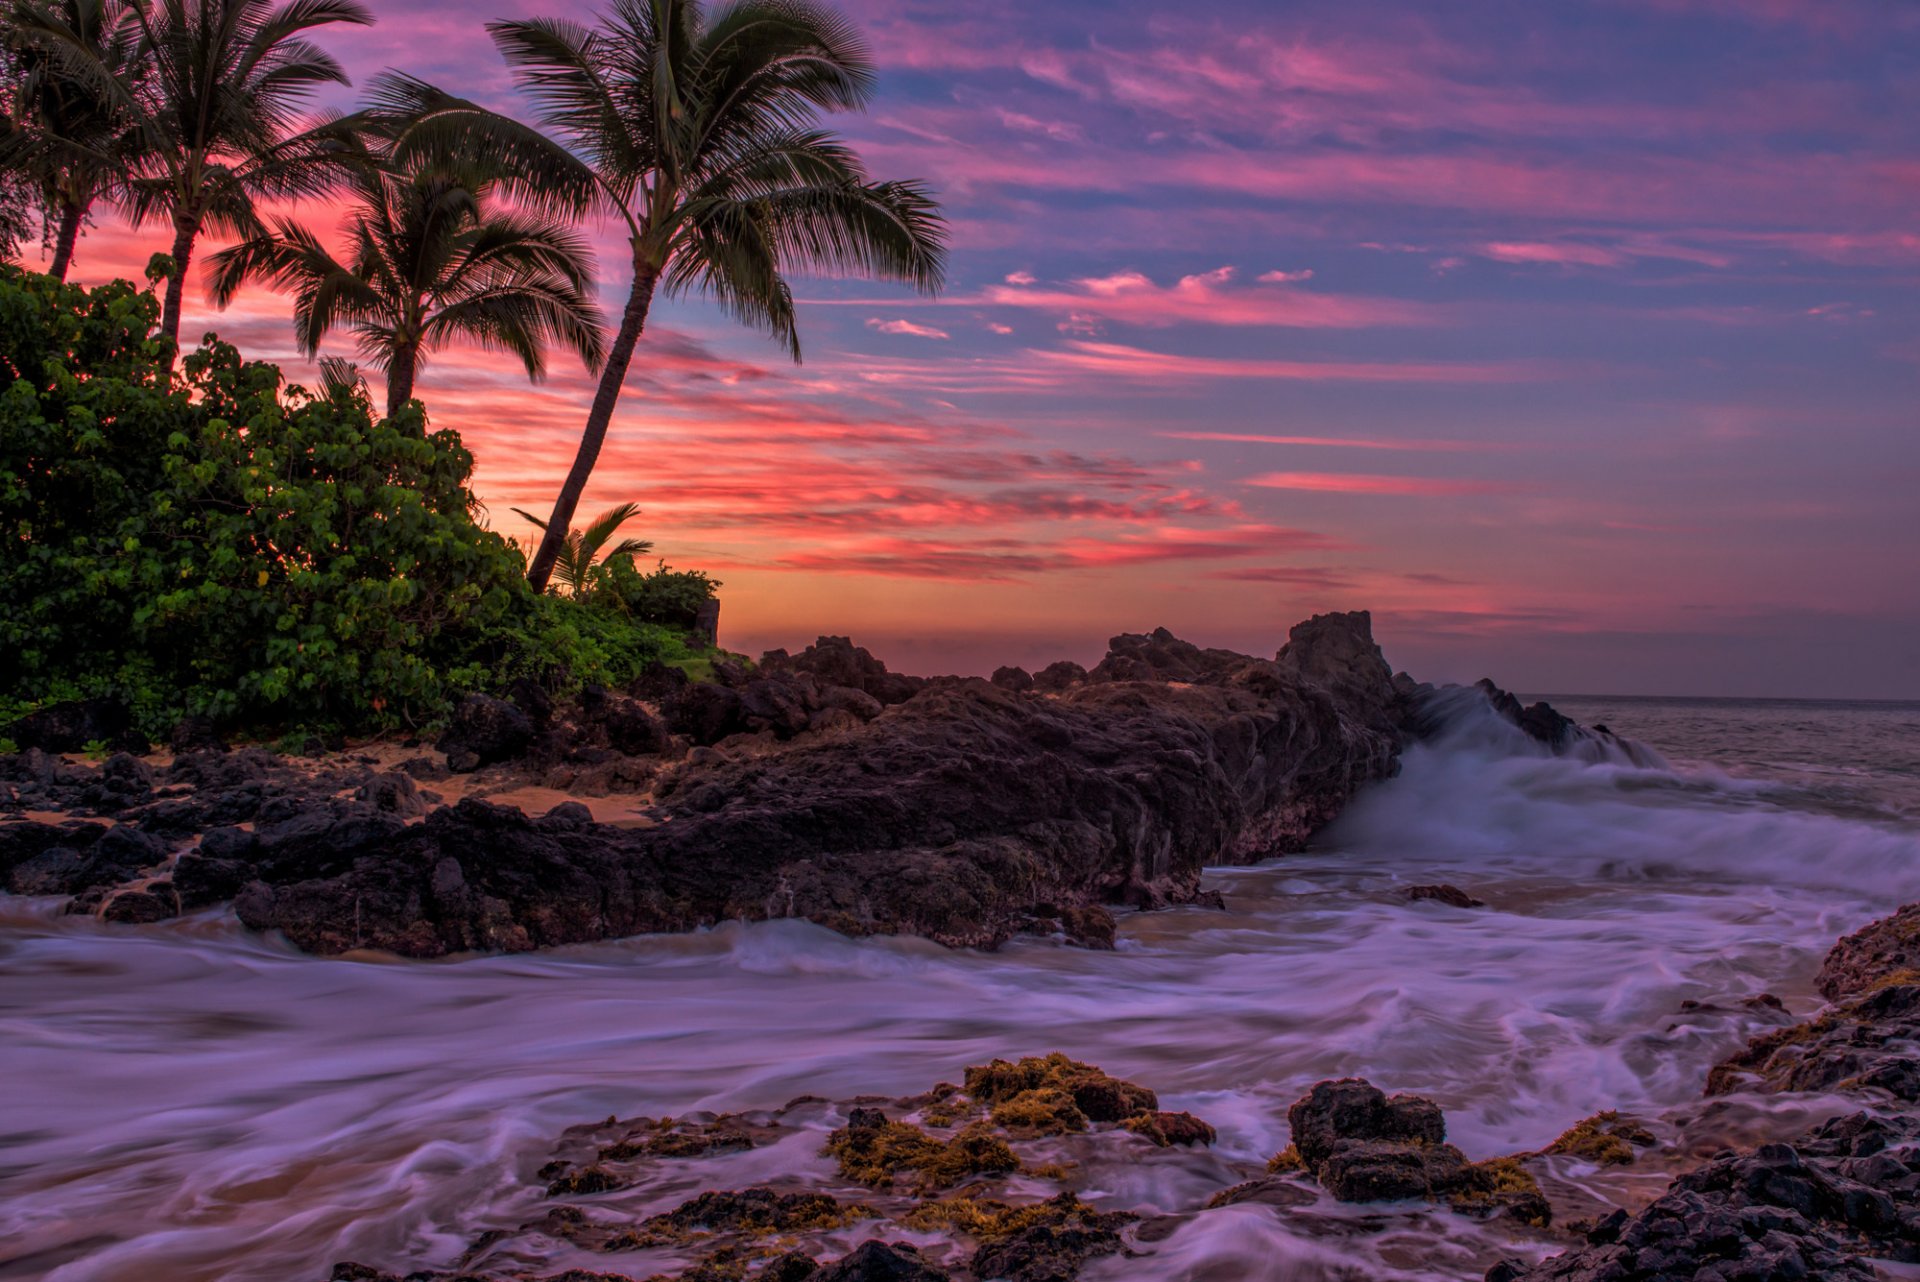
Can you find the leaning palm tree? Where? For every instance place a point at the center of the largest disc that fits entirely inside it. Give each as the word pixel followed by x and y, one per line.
pixel 220 127
pixel 70 145
pixel 431 263
pixel 584 554
pixel 697 129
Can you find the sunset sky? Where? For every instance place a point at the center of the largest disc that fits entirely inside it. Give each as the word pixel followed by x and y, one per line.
pixel 1578 340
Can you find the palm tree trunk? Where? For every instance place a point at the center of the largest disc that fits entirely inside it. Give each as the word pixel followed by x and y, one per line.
pixel 400 378
pixel 612 376
pixel 185 228
pixel 71 214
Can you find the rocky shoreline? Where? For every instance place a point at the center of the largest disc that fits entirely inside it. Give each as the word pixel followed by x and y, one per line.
pixel 822 786
pixel 817 786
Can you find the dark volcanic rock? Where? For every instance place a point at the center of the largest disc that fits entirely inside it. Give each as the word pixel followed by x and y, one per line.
pixel 880 1262
pixel 1540 720
pixel 1849 1192
pixel 1450 895
pixel 1059 676
pixel 196 734
pixel 836 661
pixel 1365 1147
pixel 1014 679
pixel 705 713
pixel 1055 1249
pixel 963 814
pixel 484 730
pixel 633 729
pixel 1869 1037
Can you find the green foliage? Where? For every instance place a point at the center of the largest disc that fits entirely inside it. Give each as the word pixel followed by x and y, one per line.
pixel 585 555
pixel 216 543
pixel 668 597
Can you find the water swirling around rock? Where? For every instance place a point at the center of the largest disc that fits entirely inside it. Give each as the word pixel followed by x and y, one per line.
pixel 190 1101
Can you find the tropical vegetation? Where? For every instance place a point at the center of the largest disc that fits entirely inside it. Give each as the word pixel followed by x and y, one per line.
pixel 212 541
pixel 182 530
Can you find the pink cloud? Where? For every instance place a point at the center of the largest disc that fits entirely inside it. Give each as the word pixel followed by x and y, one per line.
pixel 1135 362
pixel 1209 298
pixel 906 327
pixel 1563 253
pixel 1360 483
pixel 1412 444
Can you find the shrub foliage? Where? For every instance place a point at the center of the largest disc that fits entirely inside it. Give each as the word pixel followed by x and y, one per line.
pixel 212 541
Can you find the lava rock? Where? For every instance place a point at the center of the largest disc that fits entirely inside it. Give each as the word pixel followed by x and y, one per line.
pixel 1014 679
pixel 959 815
pixel 484 730
pixel 877 1261
pixel 1056 677
pixel 1452 896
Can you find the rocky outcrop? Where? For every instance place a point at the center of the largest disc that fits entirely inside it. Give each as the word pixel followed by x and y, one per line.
pixel 1868 1039
pixel 963 814
pixel 1847 1193
pixel 1364 1147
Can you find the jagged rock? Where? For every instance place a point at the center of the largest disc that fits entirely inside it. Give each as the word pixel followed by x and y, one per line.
pixel 1867 1039
pixel 877 1261
pixel 1012 678
pixel 196 734
pixel 1067 1234
pixel 1364 1147
pixel 1540 720
pixel 705 713
pixel 960 815
pixel 136 907
pixel 1336 652
pixel 112 856
pixel 634 730
pixel 1059 676
pixel 1873 956
pixel 1818 1210
pixel 484 730
pixel 392 792
pixel 1450 895
pixel 1161 656
pixel 836 661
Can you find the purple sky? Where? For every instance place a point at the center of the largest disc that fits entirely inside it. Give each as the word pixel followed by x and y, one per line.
pixel 1577 340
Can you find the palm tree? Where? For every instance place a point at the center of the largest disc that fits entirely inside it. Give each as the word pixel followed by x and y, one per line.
pixel 584 553
pixel 219 127
pixel 431 263
pixel 70 145
pixel 697 129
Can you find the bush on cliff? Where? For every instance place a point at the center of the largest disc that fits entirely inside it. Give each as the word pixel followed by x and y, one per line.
pixel 211 541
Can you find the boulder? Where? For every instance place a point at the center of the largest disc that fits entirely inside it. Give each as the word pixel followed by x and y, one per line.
pixel 876 1261
pixel 1014 679
pixel 1056 677
pixel 484 730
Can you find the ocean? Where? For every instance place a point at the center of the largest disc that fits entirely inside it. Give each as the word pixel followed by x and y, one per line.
pixel 190 1102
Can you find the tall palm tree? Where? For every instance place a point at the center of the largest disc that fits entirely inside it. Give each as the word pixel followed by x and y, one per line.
pixel 431 263
pixel 70 145
pixel 697 128
pixel 220 127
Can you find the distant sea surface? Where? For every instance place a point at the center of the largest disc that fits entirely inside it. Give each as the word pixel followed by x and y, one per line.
pixel 1853 758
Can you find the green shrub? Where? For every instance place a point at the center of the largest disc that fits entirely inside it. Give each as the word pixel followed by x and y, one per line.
pixel 214 542
pixel 671 598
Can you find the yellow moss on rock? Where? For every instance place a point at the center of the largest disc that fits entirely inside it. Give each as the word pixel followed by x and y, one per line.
pixel 1605 1138
pixel 1286 1162
pixel 1504 1183
pixel 875 1155
pixel 1099 1095
pixel 1047 1111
